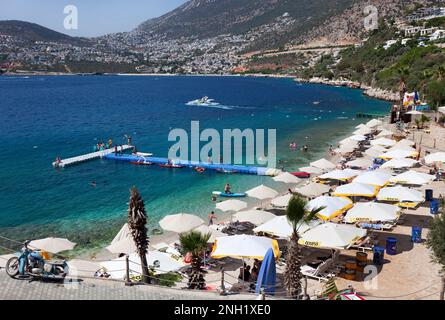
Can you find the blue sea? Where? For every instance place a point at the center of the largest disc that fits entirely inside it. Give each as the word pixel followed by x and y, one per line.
pixel 45 116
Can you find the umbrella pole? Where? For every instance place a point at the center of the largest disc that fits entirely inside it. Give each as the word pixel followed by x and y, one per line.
pixel 127 266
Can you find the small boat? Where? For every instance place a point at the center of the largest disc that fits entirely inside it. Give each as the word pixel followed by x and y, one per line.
pixel 203 102
pixel 199 169
pixel 229 195
pixel 299 174
pixel 171 166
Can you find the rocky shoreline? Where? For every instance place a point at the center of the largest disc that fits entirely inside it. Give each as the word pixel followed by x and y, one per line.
pixel 377 93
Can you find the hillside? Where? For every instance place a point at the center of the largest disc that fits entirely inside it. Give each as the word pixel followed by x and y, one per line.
pixel 32 32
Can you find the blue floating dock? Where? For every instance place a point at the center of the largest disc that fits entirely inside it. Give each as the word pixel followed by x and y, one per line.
pixel 260 171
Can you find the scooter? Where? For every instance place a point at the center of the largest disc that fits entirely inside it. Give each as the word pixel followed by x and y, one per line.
pixel 29 264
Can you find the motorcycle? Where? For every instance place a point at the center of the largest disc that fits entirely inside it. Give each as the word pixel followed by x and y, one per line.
pixel 30 264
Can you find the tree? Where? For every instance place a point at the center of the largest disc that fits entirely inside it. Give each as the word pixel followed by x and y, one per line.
pixel 436 92
pixel 137 220
pixel 403 73
pixel 196 243
pixel 297 214
pixel 436 242
pixel 440 73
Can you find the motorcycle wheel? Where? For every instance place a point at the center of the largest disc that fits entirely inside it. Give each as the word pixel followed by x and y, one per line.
pixel 12 267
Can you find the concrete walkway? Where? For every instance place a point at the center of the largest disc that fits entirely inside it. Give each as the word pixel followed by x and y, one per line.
pixel 91 289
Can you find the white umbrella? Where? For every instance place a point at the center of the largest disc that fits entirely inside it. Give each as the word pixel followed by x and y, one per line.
pixel 286 177
pixel 402 147
pixel 414 113
pixel 159 261
pixel 399 163
pixel 313 190
pixel 323 164
pixel 356 189
pixel 375 151
pixel 363 131
pixel 82 268
pixel 126 246
pixel 280 227
pixel 372 212
pixel 333 206
pixel 384 133
pixel 360 163
pixel 52 245
pixel 331 235
pixel 256 217
pixel 123 233
pixel 180 222
pixel 405 142
pixel 356 138
pixel 311 170
pixel 231 205
pixel 385 142
pixel 282 201
pixel 413 178
pixel 374 178
pixel 262 192
pixel 340 175
pixel 346 148
pixel 244 247
pixel 398 154
pixel 400 194
pixel 435 157
pixel 374 123
pixel 213 232
pixel 361 125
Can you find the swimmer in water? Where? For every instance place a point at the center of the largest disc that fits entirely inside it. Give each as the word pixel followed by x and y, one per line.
pixel 93 183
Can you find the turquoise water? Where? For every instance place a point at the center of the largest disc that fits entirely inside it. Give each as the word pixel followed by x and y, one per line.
pixel 43 117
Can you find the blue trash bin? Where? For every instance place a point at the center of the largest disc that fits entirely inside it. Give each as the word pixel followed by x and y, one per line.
pixel 391 246
pixel 416 234
pixel 379 255
pixel 434 207
pixel 429 195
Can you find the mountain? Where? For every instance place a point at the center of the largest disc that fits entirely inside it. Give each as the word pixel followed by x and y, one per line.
pixel 32 32
pixel 210 18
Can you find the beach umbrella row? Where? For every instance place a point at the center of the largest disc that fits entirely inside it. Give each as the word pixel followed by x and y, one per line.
pixel 332 206
pixel 281 228
pixel 374 178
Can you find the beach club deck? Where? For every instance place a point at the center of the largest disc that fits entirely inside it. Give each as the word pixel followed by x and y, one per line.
pixel 90 156
pixel 260 171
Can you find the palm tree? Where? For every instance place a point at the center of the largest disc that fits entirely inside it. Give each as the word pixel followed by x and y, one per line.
pixel 440 73
pixel 196 243
pixel 403 74
pixel 137 219
pixel 436 242
pixel 297 214
pixel 426 76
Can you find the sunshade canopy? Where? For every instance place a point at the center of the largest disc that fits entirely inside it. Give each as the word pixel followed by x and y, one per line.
pixel 181 222
pixel 413 178
pixel 360 163
pixel 311 170
pixel 372 212
pixel 374 123
pixel 256 217
pixel 374 178
pixel 286 177
pixel 331 235
pixel 398 154
pixel 435 157
pixel 244 247
pixel 375 151
pixel 52 245
pixel 123 233
pixel 207 230
pixel 333 206
pixel 356 189
pixel 231 205
pixel 363 131
pixel 399 163
pixel 126 246
pixel 281 201
pixel 385 142
pixel 384 133
pixel 341 175
pixel 400 194
pixel 323 164
pixel 262 192
pixel 280 227
pixel 313 190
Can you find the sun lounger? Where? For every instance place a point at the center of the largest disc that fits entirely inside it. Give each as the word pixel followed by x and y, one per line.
pixel 321 273
pixel 362 245
pixel 377 226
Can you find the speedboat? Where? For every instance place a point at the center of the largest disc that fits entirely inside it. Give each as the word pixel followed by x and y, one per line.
pixel 203 102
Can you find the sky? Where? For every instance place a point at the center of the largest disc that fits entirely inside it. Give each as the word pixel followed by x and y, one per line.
pixel 95 17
